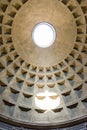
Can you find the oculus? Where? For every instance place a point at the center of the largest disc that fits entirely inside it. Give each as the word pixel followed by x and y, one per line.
pixel 43 35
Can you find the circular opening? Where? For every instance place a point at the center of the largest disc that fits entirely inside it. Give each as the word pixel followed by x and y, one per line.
pixel 43 35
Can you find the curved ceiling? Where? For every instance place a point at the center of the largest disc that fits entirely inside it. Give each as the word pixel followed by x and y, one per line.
pixel 26 69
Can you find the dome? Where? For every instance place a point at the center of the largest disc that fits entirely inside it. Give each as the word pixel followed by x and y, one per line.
pixel 43 86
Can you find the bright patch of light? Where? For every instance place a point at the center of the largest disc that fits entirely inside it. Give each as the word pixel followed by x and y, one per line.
pixel 47 100
pixel 43 35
